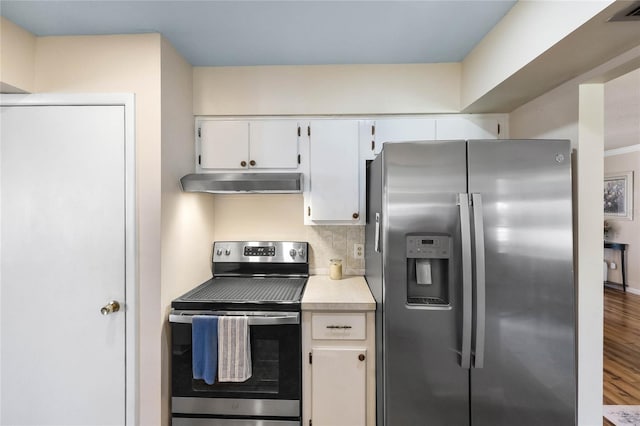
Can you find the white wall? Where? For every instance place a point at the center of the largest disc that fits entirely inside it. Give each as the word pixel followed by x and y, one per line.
pixel 528 30
pixel 186 219
pixel 327 89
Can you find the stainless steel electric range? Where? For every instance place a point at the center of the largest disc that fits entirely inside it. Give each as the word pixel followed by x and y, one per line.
pixel 264 281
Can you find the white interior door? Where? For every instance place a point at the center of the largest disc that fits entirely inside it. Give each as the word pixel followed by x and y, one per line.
pixel 62 253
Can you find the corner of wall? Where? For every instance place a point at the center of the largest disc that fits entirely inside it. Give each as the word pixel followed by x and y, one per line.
pixel 528 30
pixel 17 58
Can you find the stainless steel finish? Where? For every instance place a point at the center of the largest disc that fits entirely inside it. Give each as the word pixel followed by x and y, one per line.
pixel 529 363
pixel 110 308
pixel 420 378
pixel 190 421
pixel 234 251
pixel 220 183
pixel 236 407
pixel 480 290
pixel 467 296
pixel 255 318
pixel 519 238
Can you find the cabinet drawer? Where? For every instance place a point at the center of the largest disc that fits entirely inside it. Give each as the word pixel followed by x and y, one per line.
pixel 338 326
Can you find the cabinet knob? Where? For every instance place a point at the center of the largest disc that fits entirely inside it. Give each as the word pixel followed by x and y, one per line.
pixel 252 163
pixel 355 215
pixel 243 163
pixel 361 357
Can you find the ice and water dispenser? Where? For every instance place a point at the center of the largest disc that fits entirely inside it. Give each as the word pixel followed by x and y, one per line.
pixel 428 269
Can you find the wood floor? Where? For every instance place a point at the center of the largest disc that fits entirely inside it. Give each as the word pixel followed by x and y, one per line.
pixel 621 348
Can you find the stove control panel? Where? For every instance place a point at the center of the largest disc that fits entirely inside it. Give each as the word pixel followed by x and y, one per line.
pixel 260 251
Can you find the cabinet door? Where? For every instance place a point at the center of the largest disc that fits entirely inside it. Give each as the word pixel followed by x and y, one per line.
pixel 334 183
pixel 273 144
pixel 224 144
pixel 403 129
pixel 455 128
pixel 338 386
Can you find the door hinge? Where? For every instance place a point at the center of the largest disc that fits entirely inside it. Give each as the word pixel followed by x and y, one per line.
pixel 199 132
pixel 309 214
pixel 200 159
pixel 498 128
pixel 298 158
pixel 298 131
pixel 310 358
pixel 308 130
pixel 373 145
pixel 373 130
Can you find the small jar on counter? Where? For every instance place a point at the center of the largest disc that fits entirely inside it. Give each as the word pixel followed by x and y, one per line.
pixel 335 269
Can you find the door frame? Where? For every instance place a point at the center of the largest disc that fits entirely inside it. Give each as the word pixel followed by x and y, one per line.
pixel 127 100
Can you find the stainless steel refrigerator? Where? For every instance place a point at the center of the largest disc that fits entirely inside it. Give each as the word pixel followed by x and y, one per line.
pixel 469 254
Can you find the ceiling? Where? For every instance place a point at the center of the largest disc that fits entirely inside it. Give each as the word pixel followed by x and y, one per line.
pixel 302 32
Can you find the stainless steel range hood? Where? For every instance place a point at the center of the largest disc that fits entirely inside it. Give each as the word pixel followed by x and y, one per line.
pixel 225 183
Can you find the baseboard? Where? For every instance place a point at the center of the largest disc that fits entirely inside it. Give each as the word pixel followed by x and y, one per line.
pixel 617 286
pixel 633 290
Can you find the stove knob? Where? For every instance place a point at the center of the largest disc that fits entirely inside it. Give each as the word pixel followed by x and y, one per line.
pixel 227 252
pixel 219 252
pixel 301 252
pixel 292 252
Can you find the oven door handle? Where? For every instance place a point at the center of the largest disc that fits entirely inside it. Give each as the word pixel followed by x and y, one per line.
pixel 254 318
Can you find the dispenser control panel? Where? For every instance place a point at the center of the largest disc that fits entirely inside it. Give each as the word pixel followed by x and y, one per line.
pixel 428 246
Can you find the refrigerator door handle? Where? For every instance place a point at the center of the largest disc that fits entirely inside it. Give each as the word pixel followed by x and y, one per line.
pixel 480 290
pixel 465 230
pixel 376 243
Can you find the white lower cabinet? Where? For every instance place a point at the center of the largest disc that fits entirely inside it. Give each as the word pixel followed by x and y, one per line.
pixel 338 386
pixel 339 371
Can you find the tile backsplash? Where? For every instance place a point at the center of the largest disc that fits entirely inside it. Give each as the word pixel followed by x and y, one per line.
pixel 280 218
pixel 330 242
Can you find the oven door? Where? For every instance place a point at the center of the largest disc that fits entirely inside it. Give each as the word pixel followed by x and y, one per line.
pixel 274 389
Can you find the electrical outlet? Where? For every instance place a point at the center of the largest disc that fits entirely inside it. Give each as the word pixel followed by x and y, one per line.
pixel 358 251
pixel 612 265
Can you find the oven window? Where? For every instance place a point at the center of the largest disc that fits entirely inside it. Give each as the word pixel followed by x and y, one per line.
pixel 265 359
pixel 276 364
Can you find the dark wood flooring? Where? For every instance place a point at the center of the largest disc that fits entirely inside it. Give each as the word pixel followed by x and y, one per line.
pixel 621 348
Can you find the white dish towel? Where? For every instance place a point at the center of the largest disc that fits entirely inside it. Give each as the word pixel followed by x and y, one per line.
pixel 234 349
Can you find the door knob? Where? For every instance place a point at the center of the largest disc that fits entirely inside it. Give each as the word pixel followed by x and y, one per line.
pixel 110 308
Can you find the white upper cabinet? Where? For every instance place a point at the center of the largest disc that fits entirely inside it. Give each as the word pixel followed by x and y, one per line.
pixel 273 144
pixel 468 127
pixel 389 130
pixel 333 191
pixel 223 144
pixel 242 145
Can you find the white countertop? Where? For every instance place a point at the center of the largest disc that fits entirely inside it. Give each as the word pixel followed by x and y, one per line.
pixel 348 294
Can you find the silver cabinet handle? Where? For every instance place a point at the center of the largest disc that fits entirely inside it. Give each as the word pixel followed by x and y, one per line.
pixel 480 291
pixel 110 308
pixel 465 230
pixel 343 327
pixel 376 243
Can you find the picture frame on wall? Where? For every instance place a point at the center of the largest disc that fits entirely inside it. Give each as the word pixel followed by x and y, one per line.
pixel 618 196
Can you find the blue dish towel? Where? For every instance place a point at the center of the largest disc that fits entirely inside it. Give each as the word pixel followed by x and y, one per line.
pixel 204 345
